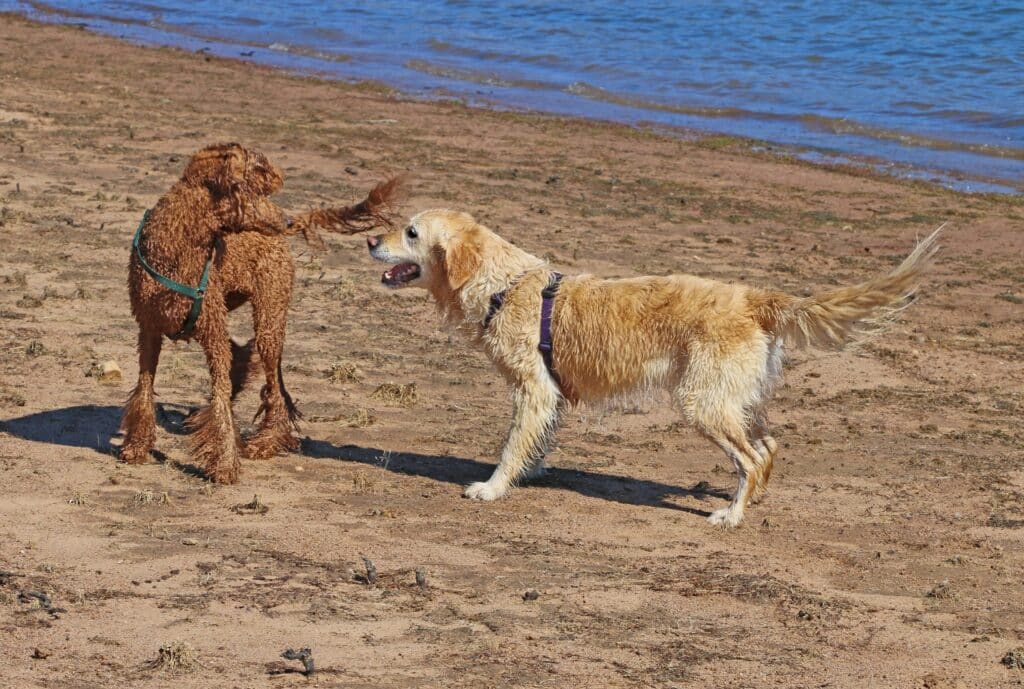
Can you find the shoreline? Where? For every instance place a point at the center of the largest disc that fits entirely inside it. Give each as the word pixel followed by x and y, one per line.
pixel 895 153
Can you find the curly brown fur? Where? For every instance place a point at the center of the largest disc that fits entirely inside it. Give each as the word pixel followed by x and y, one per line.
pixel 221 207
pixel 376 210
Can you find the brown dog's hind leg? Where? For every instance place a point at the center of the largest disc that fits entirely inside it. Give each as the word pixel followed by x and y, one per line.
pixel 294 415
pixel 275 434
pixel 139 420
pixel 216 445
pixel 243 366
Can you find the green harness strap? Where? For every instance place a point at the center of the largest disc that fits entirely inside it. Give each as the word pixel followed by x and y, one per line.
pixel 196 294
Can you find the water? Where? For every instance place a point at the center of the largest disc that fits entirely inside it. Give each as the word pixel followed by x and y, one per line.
pixel 924 89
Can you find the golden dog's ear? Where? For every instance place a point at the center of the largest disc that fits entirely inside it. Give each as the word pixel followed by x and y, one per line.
pixel 462 258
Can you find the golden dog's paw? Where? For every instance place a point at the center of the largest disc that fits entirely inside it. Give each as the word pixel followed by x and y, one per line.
pixel 483 490
pixel 727 518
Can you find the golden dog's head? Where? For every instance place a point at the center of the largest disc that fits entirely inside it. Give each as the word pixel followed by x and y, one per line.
pixel 438 250
pixel 229 169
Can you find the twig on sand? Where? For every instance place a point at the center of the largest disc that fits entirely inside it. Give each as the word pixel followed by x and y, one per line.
pixel 305 655
pixel 371 570
pixel 44 601
pixel 257 506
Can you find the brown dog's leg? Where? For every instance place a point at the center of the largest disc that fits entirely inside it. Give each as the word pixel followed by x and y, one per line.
pixel 242 366
pixel 294 415
pixel 139 420
pixel 216 445
pixel 275 432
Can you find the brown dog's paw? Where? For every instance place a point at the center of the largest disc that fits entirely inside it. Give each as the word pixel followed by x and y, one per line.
pixel 268 443
pixel 225 473
pixel 133 454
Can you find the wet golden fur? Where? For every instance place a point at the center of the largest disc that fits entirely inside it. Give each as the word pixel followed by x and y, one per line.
pixel 717 348
pixel 222 204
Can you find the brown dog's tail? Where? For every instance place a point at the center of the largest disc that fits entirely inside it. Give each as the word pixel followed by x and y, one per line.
pixel 832 319
pixel 375 210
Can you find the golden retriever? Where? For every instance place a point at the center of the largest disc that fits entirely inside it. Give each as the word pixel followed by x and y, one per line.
pixel 717 348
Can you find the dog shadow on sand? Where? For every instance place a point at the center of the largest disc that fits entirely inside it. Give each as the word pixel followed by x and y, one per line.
pixel 92 426
pixel 461 471
pixel 89 426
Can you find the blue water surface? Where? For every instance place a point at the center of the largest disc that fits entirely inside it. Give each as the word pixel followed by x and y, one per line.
pixel 923 88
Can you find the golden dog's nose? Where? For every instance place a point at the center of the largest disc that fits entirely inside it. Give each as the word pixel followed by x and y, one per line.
pixel 372 242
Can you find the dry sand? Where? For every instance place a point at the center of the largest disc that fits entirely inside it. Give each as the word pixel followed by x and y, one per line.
pixel 888 553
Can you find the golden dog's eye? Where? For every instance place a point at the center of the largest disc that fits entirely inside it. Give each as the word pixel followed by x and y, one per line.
pixel 411 233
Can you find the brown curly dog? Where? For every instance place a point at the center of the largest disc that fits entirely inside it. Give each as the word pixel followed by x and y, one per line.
pixel 218 219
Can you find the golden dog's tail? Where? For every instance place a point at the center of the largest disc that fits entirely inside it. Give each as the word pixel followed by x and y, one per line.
pixel 840 316
pixel 375 210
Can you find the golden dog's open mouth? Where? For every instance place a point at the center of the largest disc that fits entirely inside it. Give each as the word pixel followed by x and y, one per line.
pixel 400 274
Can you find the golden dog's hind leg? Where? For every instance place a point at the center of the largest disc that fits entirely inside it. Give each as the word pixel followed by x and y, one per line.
pixel 766 448
pixel 534 422
pixel 139 420
pixel 746 459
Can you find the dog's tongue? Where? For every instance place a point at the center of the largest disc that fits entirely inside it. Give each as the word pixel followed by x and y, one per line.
pixel 403 272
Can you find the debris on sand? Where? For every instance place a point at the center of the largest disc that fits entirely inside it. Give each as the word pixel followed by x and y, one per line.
pixel 343 372
pixel 1014 658
pixel 305 655
pixel 29 302
pixel 39 654
pixel 399 395
pixel 531 595
pixel 11 397
pixel 35 348
pixel 421 578
pixel 177 656
pixel 77 499
pixel 361 418
pixel 41 600
pixel 371 570
pixel 149 497
pixel 256 506
pixel 941 591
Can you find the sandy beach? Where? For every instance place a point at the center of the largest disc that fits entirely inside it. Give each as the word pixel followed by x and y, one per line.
pixel 887 554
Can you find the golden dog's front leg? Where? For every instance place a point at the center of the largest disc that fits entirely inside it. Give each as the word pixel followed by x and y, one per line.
pixel 534 421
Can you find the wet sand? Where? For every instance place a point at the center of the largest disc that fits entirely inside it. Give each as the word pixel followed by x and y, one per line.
pixel 888 553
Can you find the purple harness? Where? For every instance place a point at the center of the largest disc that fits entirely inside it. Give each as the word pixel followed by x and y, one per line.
pixel 546 307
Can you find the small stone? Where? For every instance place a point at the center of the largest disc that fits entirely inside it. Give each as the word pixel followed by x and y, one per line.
pixel 189 541
pixel 1014 658
pixel 531 595
pixel 109 373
